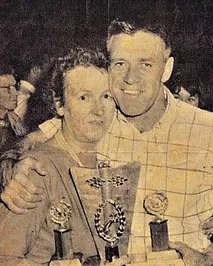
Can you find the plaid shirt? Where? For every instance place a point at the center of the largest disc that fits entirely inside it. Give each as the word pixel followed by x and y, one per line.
pixel 175 157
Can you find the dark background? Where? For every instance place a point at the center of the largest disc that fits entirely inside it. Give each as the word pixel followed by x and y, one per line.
pixel 33 29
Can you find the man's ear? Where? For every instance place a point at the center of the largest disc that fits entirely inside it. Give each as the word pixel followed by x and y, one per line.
pixel 59 108
pixel 168 69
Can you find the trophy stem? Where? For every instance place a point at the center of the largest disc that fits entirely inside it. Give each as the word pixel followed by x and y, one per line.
pixel 63 245
pixel 111 249
pixel 111 253
pixel 159 235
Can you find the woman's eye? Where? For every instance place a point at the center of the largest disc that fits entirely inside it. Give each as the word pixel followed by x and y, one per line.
pixel 83 97
pixel 107 96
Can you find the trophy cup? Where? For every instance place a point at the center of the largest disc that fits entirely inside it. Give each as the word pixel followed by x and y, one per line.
pixel 59 214
pixel 160 254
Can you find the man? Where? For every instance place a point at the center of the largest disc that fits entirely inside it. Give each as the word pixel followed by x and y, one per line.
pixel 172 140
pixel 10 123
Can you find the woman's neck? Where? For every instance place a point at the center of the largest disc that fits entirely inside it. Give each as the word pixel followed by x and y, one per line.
pixel 78 145
pixel 84 153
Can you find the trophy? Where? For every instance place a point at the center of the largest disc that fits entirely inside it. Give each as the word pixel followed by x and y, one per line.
pixel 107 196
pixel 156 204
pixel 160 254
pixel 113 215
pixel 59 215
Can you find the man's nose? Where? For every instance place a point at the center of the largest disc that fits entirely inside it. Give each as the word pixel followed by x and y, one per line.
pixel 132 76
pixel 98 108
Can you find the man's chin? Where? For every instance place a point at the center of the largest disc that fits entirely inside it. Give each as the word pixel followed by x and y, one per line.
pixel 96 137
pixel 130 111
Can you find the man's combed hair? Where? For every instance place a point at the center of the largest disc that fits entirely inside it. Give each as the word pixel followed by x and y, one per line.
pixel 52 82
pixel 118 26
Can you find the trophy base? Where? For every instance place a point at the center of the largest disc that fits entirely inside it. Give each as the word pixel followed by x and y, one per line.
pixel 72 262
pixel 159 258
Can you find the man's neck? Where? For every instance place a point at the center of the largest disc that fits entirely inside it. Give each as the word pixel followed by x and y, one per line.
pixel 147 121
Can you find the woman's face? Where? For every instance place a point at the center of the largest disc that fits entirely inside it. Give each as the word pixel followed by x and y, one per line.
pixel 185 96
pixel 89 106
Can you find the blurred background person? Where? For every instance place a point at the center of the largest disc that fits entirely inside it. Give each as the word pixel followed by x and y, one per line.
pixel 11 126
pixel 193 86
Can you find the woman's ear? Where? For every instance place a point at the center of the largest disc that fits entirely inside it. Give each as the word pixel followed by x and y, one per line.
pixel 59 108
pixel 168 69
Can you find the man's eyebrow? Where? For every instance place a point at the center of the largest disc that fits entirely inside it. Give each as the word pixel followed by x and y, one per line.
pixel 118 59
pixel 147 59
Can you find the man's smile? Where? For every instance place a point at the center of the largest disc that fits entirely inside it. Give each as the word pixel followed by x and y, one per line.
pixel 132 92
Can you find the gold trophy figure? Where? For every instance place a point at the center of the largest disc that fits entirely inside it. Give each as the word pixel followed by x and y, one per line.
pixel 60 214
pixel 160 254
pixel 156 204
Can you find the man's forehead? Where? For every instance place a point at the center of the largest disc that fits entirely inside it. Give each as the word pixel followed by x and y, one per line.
pixel 6 80
pixel 138 43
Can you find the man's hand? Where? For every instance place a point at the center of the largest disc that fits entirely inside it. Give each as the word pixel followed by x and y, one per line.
pixel 20 194
pixel 192 257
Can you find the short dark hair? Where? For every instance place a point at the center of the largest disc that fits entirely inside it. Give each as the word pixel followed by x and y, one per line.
pixel 52 83
pixel 121 26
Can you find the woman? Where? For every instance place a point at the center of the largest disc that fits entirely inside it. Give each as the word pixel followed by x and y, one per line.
pixel 77 89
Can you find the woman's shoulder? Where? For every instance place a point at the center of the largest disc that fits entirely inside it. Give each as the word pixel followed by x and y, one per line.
pixel 48 154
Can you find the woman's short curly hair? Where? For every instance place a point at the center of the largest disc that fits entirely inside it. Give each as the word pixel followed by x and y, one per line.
pixel 52 82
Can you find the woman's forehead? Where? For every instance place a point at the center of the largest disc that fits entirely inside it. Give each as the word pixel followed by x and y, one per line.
pixel 86 76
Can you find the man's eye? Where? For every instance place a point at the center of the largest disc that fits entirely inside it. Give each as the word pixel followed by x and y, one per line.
pixel 145 65
pixel 119 64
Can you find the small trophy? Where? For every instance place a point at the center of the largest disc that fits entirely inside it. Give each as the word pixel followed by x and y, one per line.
pixel 156 204
pixel 59 215
pixel 160 254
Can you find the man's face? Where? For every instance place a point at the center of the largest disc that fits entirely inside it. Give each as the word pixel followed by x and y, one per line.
pixel 89 106
pixel 137 66
pixel 8 92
